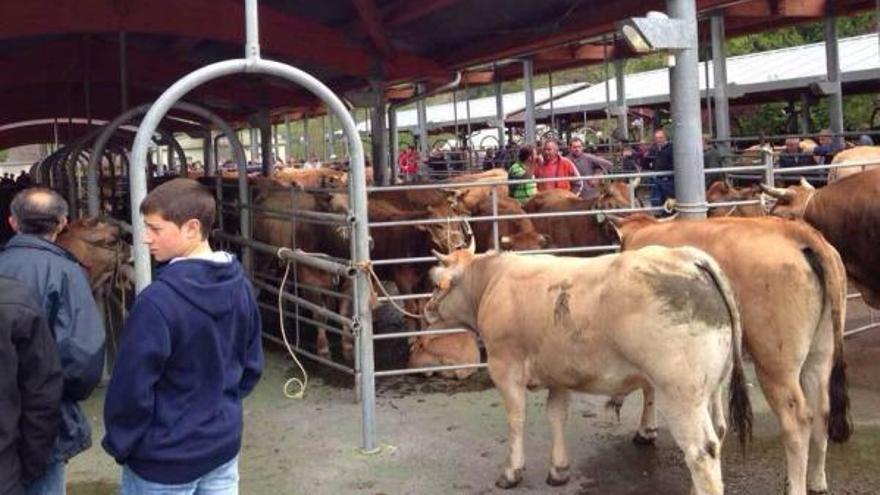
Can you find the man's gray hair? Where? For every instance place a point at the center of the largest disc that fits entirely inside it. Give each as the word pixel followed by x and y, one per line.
pixel 38 210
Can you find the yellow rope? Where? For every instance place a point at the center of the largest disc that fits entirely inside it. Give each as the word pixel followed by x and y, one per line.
pixel 293 381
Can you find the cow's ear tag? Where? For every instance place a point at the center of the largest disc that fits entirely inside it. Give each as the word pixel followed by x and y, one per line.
pixel 601 217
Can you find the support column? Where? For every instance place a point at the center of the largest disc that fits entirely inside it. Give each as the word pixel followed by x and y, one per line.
pixel 394 140
pixel 622 116
pixel 208 153
pixel 690 183
pixel 719 91
pixel 835 101
pixel 266 143
pixel 306 145
pixel 805 113
pixel 331 138
pixel 379 137
pixel 529 89
pixel 422 115
pixel 288 139
pixel 499 112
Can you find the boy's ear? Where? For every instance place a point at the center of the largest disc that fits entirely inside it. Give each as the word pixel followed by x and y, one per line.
pixel 193 227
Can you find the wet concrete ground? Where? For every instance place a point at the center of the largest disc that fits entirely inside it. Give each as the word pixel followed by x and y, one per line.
pixel 445 437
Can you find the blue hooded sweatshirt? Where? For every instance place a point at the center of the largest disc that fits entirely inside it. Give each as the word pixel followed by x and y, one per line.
pixel 190 351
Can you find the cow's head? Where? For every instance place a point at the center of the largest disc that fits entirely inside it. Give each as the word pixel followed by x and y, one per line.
pixel 524 241
pixel 613 195
pixel 792 201
pixel 452 234
pixel 449 302
pixel 97 246
pixel 723 191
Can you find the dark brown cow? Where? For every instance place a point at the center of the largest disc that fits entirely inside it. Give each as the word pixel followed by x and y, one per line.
pixel 577 231
pixel 791 289
pixel 846 213
pixel 723 191
pixel 514 235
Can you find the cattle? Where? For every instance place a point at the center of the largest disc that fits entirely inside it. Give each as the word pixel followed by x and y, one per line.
pixel 858 154
pixel 311 178
pixel 97 246
pixel 445 350
pixel 514 235
pixel 577 231
pixel 846 214
pixel 723 191
pixel 599 326
pixel 470 197
pixel 791 290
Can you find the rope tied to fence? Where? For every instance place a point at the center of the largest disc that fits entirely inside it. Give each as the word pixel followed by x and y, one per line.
pixel 294 380
pixel 367 267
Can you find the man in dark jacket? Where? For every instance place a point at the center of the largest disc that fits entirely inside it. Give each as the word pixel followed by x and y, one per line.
pixel 30 388
pixel 660 159
pixel 61 288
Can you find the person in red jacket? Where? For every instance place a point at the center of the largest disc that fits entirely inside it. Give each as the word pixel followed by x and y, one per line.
pixel 555 165
pixel 408 161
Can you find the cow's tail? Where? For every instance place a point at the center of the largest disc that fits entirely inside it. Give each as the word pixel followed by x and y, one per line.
pixel 739 406
pixel 826 263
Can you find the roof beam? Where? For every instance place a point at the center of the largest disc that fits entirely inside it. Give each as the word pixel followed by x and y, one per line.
pixel 369 14
pixel 803 8
pixel 287 37
pixel 403 12
pixel 761 9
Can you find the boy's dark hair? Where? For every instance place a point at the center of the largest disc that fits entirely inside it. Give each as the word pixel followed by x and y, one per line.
pixel 38 210
pixel 181 200
pixel 525 152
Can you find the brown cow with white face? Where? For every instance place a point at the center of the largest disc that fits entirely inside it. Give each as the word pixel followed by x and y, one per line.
pixel 847 214
pixel 598 326
pixel 792 296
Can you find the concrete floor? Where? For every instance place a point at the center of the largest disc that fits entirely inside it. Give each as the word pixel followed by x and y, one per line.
pixel 442 437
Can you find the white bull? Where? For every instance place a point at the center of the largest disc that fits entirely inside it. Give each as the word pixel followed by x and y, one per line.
pixel 657 318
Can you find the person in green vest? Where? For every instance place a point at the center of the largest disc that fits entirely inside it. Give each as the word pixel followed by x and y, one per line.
pixel 523 168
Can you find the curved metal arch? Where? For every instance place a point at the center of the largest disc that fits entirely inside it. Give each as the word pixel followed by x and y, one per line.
pixel 110 129
pixel 495 138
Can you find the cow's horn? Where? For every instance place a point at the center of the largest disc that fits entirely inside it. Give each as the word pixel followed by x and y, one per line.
pixel 670 218
pixel 776 192
pixel 440 256
pixel 806 184
pixel 617 220
pixel 472 247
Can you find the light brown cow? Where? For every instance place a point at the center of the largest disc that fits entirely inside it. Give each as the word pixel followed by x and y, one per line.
pixel 578 231
pixel 846 213
pixel 723 191
pixel 859 154
pixel 599 326
pixel 470 197
pixel 444 350
pixel 310 178
pixel 792 295
pixel 514 235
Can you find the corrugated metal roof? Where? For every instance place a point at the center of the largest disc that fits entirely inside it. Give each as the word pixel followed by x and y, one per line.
pixel 772 70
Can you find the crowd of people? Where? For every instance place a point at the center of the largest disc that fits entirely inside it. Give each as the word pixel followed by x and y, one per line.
pixel 9 179
pixel 190 351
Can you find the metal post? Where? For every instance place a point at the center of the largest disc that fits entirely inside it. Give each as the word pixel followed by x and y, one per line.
pixel 288 138
pixel 208 153
pixel 835 103
pixel 324 153
pixel 306 144
pixel 422 116
pixel 394 140
pixel 690 182
pixel 622 115
pixel 607 90
pixel 379 138
pixel 266 143
pixel 552 105
pixel 805 113
pixel 496 240
pixel 708 93
pixel 331 138
pixel 254 145
pixel 769 178
pixel 529 89
pixel 499 112
pixel 467 111
pixel 719 92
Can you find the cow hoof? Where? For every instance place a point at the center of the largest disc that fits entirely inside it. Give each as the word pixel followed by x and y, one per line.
pixel 643 441
pixel 558 476
pixel 505 483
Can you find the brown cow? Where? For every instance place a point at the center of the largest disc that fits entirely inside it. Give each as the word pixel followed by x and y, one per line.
pixel 97 246
pixel 470 197
pixel 514 235
pixel 792 295
pixel 310 178
pixel 858 154
pixel 578 231
pixel 846 214
pixel 657 317
pixel 723 191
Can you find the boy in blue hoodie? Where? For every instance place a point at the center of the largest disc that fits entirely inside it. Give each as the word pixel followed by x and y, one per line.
pixel 190 352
